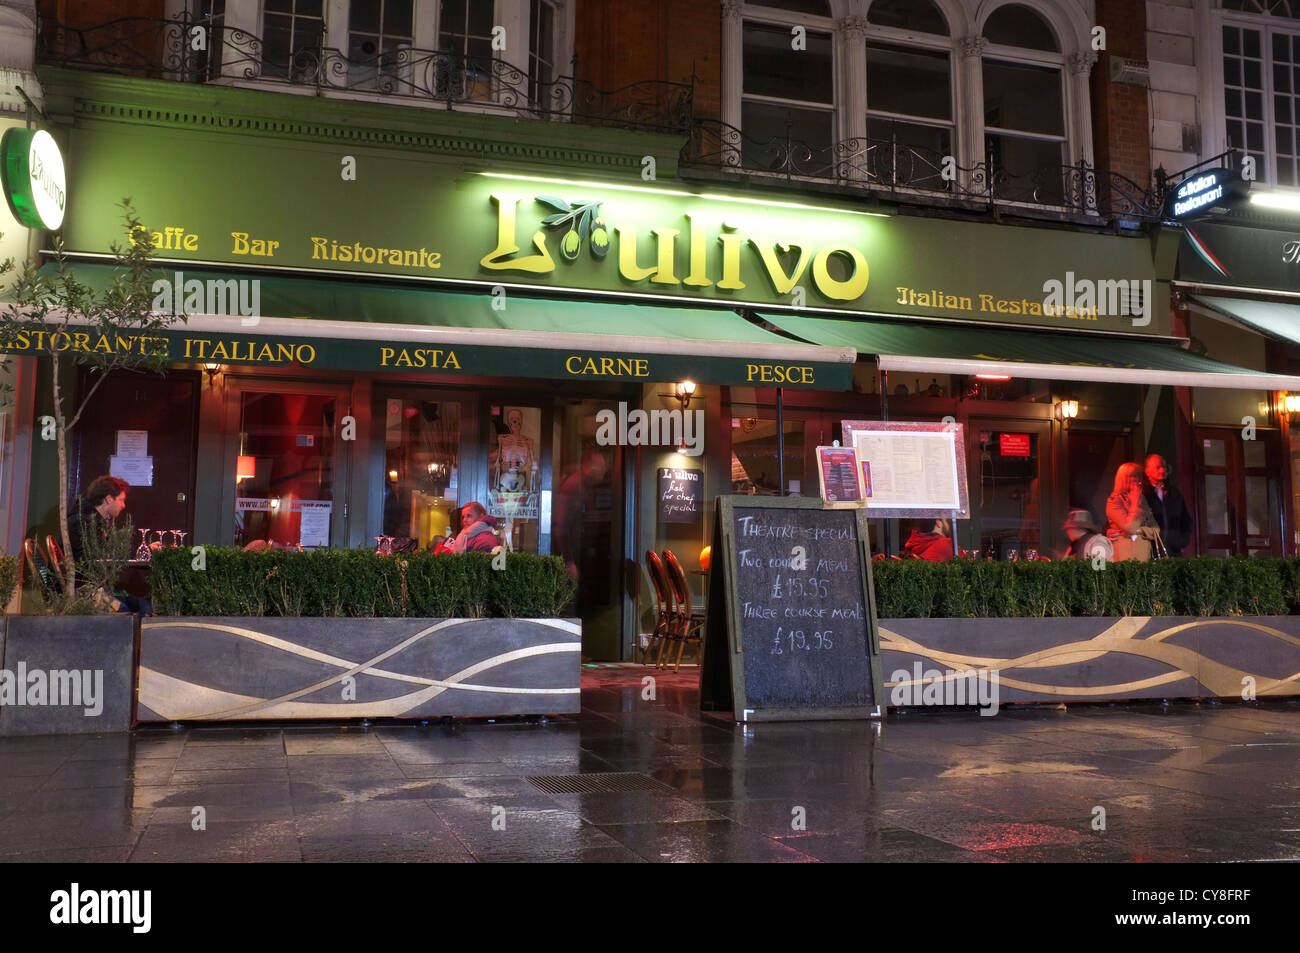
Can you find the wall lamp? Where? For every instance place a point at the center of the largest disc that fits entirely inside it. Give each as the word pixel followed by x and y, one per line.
pixel 213 369
pixel 684 391
pixel 1289 402
pixel 1066 410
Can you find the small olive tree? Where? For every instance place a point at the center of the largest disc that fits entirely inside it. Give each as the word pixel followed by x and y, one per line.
pixel 111 329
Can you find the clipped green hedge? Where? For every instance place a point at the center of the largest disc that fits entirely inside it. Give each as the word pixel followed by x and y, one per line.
pixel 358 583
pixel 1201 586
pixel 9 567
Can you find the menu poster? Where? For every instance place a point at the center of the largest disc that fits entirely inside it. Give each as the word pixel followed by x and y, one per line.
pixel 315 527
pixel 838 469
pixel 132 443
pixel 681 494
pixel 913 469
pixel 137 471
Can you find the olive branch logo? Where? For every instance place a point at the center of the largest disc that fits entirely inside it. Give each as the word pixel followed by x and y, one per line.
pixel 583 221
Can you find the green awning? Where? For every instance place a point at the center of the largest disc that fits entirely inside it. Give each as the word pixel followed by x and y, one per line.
pixel 345 324
pixel 1281 321
pixel 953 349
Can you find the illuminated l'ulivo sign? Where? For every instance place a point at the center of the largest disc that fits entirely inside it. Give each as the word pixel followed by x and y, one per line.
pixel 408 217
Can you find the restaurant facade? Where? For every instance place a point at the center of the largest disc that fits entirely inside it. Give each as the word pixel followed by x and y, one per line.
pixel 386 312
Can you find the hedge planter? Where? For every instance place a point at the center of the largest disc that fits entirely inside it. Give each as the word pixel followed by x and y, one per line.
pixel 66 674
pixel 263 667
pixel 1098 659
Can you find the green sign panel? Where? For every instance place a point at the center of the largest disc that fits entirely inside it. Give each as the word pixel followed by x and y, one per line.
pixel 187 346
pixel 34 181
pixel 268 203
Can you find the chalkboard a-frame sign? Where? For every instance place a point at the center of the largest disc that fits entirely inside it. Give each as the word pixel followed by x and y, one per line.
pixel 790 633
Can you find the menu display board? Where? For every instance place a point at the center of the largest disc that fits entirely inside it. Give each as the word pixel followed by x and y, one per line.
pixel 681 495
pixel 791 626
pixel 837 468
pixel 913 468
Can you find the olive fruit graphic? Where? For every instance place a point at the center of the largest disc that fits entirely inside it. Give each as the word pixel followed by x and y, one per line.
pixel 599 239
pixel 570 244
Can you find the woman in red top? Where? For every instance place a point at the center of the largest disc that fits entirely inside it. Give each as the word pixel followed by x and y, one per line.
pixel 930 540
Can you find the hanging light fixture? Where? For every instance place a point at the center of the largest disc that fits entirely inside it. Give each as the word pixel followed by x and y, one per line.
pixel 245 467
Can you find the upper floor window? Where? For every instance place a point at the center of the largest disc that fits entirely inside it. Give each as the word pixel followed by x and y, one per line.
pixel 379 31
pixel 465 28
pixel 1024 106
pixel 788 94
pixel 541 48
pixel 291 38
pixel 909 88
pixel 1261 88
pixel 918 16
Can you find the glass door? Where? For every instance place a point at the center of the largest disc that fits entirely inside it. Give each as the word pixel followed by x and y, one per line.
pixel 1238 495
pixel 286 469
pixel 1008 508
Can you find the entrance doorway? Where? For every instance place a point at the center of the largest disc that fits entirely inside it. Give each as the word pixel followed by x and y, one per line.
pixel 1237 494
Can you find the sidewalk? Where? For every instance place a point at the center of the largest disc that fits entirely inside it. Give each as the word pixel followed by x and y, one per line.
pixel 659 781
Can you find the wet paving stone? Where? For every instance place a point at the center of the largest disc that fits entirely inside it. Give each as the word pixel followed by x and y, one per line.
pixel 1178 783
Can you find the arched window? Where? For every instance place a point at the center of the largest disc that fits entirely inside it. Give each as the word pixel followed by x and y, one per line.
pixel 788 90
pixel 1024 106
pixel 920 16
pixel 909 87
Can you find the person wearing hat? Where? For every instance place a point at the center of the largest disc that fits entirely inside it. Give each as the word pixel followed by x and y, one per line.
pixel 1087 541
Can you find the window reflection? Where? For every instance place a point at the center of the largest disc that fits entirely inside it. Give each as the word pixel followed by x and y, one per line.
pixel 422 468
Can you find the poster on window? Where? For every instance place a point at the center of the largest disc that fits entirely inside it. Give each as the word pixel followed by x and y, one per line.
pixel 514 474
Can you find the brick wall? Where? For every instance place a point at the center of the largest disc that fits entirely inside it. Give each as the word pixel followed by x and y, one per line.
pixel 1120 114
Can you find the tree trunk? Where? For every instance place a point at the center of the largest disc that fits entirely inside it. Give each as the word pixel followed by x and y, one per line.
pixel 69 570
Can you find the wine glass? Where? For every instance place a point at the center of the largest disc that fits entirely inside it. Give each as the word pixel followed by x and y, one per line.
pixel 1031 555
pixel 161 533
pixel 1013 554
pixel 176 537
pixel 143 552
pixel 182 534
pixel 379 545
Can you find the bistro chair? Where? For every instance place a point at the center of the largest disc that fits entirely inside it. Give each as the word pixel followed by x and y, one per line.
pixel 663 604
pixel 48 584
pixel 689 623
pixel 57 564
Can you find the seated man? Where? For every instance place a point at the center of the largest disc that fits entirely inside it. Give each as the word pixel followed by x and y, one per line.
pixel 1086 538
pixel 477 531
pixel 103 502
pixel 930 539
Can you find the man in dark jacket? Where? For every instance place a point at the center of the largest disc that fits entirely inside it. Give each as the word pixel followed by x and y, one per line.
pixel 103 502
pixel 1167 505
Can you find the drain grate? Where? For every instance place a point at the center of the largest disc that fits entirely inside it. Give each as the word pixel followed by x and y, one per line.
pixel 609 783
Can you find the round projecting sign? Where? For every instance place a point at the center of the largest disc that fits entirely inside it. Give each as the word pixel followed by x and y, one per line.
pixel 32 168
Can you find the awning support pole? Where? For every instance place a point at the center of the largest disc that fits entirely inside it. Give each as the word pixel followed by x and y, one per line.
pixel 780 441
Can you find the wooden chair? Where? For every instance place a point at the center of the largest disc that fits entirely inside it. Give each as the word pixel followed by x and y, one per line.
pixel 45 579
pixel 663 604
pixel 54 552
pixel 689 622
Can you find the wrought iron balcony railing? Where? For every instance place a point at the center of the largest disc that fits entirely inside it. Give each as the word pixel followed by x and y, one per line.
pixel 894 168
pixel 166 49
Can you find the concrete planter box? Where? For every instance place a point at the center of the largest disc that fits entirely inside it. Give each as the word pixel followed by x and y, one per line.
pixel 240 668
pixel 66 674
pixel 1103 659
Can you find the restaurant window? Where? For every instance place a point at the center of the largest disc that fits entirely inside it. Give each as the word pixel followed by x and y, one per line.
pixel 291 39
pixel 285 471
pixel 787 96
pixel 1024 111
pixel 379 43
pixel 421 469
pixel 754 454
